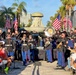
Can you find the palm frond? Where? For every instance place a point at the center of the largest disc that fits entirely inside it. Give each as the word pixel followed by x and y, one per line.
pixel 3 8
pixel 22 3
pixel 3 13
pixel 9 9
pixel 14 5
pixel 25 11
pixel 12 8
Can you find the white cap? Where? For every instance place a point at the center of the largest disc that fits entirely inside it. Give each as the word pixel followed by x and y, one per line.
pixel 2 42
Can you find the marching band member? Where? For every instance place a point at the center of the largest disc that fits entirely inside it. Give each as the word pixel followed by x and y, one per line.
pixel 48 48
pixel 24 49
pixel 31 47
pixel 41 42
pixel 61 50
pixel 9 45
pixel 18 49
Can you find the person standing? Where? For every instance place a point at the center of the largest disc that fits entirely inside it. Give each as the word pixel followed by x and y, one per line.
pixel 18 49
pixel 15 37
pixel 48 48
pixel 9 45
pixel 24 49
pixel 61 53
pixel 31 45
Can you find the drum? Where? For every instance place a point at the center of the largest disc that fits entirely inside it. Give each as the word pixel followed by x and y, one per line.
pixel 49 32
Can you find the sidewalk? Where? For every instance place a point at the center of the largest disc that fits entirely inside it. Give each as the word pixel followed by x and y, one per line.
pixel 37 68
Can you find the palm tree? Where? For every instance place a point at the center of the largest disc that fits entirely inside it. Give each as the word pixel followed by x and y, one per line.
pixel 51 18
pixel 62 11
pixel 6 12
pixel 19 6
pixel 69 4
pixel 48 24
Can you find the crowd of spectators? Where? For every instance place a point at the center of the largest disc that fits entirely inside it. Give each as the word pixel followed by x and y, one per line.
pixel 60 47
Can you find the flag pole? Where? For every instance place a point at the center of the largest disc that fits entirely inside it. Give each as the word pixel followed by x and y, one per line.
pixel 66 21
pixel 69 16
pixel 63 27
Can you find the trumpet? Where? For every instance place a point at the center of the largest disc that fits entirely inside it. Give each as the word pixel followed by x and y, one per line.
pixel 47 44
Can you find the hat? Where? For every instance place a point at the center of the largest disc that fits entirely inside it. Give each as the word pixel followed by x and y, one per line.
pixel 2 42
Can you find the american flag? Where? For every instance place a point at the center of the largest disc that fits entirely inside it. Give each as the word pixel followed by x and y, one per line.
pixel 15 24
pixel 67 23
pixel 7 24
pixel 57 23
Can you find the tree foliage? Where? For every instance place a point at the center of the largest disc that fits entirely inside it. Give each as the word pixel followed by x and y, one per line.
pixel 66 5
pixel 48 24
pixel 19 6
pixel 4 12
pixel 69 3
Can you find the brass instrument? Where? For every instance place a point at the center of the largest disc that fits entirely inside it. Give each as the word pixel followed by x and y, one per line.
pixel 47 44
pixel 59 45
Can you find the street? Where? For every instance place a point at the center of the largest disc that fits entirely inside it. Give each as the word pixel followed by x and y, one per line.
pixel 37 68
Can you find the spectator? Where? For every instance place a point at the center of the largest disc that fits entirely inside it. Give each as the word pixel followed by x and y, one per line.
pixel 73 56
pixel 5 58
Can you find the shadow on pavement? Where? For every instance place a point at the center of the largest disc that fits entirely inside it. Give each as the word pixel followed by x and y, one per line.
pixel 36 65
pixel 15 70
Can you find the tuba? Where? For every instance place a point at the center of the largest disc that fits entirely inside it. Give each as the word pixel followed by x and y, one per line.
pixel 49 32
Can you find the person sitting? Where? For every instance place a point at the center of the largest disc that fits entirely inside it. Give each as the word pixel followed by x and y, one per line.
pixel 4 58
pixel 73 57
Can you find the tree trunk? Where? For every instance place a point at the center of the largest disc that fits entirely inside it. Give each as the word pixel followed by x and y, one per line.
pixel 18 20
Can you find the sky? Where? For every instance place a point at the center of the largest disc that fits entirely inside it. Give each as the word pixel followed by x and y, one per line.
pixel 46 7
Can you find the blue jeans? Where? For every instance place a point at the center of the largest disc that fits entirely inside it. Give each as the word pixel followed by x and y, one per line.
pixel 24 55
pixel 29 55
pixel 49 55
pixel 32 54
pixel 10 53
pixel 61 59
